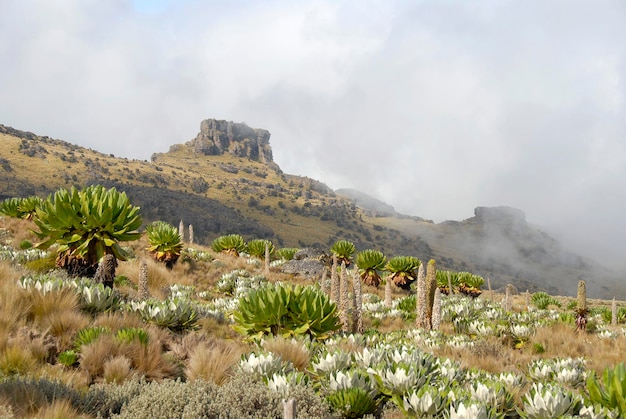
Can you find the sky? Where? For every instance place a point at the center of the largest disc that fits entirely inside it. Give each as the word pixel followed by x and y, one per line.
pixel 435 107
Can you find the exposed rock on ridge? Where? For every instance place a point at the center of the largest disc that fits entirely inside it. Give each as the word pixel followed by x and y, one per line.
pixel 217 137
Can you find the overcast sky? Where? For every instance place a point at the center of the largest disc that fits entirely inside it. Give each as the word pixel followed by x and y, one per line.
pixel 434 107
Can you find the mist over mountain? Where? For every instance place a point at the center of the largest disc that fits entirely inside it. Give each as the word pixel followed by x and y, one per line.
pixel 225 181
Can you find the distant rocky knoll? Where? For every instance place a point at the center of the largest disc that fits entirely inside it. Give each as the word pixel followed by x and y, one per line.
pixel 217 137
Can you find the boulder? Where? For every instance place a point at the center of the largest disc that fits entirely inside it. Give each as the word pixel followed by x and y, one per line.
pixel 306 268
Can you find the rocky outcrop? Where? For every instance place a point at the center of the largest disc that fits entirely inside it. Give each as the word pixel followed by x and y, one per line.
pixel 217 137
pixel 308 263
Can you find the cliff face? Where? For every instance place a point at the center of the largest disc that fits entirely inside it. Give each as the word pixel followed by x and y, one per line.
pixel 217 137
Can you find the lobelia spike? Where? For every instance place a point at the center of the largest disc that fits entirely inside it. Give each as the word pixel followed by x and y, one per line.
pixel 431 286
pixel 343 291
pixel 420 298
pixel 437 310
pixel 357 325
pixel 144 292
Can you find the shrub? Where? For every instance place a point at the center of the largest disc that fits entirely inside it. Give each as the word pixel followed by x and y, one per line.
pixel 169 399
pixel 286 310
pixel 105 399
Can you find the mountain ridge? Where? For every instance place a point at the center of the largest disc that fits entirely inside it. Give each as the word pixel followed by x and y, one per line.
pixel 237 188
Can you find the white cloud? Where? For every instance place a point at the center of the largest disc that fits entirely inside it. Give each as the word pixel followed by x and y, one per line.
pixel 434 106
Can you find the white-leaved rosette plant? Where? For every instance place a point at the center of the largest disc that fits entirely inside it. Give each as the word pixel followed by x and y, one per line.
pixel 546 401
pixel 469 410
pixel 328 363
pixel 264 365
pixel 520 333
pixel 282 382
pixel 369 357
pixel 427 402
pixel 494 395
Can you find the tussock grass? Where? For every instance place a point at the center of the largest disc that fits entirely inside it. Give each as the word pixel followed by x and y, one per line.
pixel 40 306
pixel 24 398
pixel 117 369
pixel 64 324
pixel 213 361
pixel 16 360
pixel 58 409
pixel 289 350
pixel 118 320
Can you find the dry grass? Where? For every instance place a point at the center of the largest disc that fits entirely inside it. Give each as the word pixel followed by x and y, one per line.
pixel 15 360
pixel 118 320
pixel 39 306
pixel 213 361
pixel 42 346
pixel 117 369
pixel 150 361
pixel 561 340
pixel 13 310
pixel 159 277
pixel 24 398
pixel 289 350
pixel 213 327
pixel 20 230
pixel 64 325
pixel 58 409
pixel 96 354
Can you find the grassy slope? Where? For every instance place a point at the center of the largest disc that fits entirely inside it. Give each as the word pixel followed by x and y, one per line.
pixel 258 201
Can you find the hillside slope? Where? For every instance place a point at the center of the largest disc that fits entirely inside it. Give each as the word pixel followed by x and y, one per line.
pixel 225 181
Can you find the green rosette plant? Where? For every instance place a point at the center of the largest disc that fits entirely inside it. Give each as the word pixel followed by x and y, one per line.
pixel 165 243
pixel 256 248
pixel 542 300
pixel 287 253
pixel 442 281
pixel 286 310
pixel 469 284
pixel 10 207
pixel 232 244
pixel 610 390
pixel 403 270
pixel 86 224
pixel 352 402
pixel 24 208
pixel 370 262
pixel 344 250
